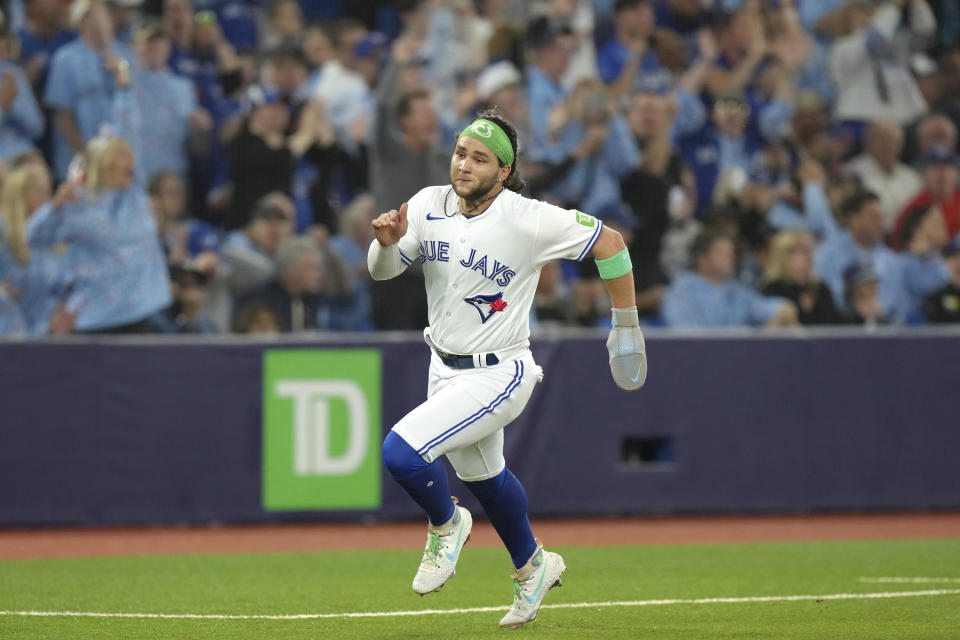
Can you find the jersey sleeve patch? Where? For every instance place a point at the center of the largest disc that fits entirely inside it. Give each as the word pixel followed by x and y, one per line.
pixel 586 219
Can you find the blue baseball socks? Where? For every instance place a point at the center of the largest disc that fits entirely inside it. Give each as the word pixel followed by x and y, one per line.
pixel 425 482
pixel 505 503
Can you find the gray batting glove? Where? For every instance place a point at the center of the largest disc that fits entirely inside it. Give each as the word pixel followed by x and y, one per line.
pixel 628 352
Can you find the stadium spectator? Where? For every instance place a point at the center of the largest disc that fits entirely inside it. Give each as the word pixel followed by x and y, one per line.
pixel 348 99
pixel 789 275
pixel 592 183
pixel 941 188
pixel 41 35
pixel 935 130
pixel 251 251
pixel 628 62
pixel 870 64
pixel 257 318
pixel 284 25
pixel 861 243
pixel 169 115
pixel 401 165
pixel 660 192
pixel 168 201
pixel 302 295
pixel 923 237
pixel 125 17
pixel 861 290
pixel 743 48
pixel 550 48
pixel 943 305
pixel 803 204
pixel 201 52
pixel 38 272
pixel 21 121
pixel 726 150
pixel 351 245
pixel 880 170
pixel 580 17
pixel 709 296
pixel 500 85
pixel 184 315
pixel 120 275
pixel 82 81
pixel 263 157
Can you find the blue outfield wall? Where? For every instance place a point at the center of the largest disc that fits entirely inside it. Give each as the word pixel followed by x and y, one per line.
pixel 125 431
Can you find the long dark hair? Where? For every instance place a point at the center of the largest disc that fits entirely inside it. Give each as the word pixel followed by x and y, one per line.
pixel 513 182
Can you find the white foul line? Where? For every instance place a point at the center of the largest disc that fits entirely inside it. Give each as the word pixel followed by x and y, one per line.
pixel 426 612
pixel 902 580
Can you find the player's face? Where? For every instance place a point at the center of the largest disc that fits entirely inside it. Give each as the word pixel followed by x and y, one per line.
pixel 474 170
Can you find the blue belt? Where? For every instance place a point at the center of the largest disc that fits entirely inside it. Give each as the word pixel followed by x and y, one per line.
pixel 455 361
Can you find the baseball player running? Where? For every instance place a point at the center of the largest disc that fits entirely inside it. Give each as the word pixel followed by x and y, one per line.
pixel 482 246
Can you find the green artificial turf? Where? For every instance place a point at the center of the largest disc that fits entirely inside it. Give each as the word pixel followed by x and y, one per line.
pixel 379 581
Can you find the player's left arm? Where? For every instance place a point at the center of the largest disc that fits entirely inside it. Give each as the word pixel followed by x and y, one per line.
pixel 625 344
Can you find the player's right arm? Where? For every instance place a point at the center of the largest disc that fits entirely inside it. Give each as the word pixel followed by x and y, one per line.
pixel 394 246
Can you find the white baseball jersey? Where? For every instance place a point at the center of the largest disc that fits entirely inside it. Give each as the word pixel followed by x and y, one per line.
pixel 482 271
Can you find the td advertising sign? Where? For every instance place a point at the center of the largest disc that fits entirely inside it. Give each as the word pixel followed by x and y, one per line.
pixel 321 429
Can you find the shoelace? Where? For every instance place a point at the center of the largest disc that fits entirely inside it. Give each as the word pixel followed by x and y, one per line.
pixel 517 590
pixel 432 554
pixel 518 586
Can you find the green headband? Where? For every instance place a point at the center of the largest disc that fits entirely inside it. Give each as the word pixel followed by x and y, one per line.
pixel 493 137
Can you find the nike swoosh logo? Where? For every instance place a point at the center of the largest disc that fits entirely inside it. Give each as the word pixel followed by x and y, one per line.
pixel 637 377
pixel 452 557
pixel 429 217
pixel 536 594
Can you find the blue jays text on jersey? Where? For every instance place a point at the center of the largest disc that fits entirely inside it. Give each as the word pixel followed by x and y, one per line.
pixel 490 268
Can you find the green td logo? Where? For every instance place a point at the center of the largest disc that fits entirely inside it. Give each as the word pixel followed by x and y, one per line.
pixel 586 220
pixel 321 429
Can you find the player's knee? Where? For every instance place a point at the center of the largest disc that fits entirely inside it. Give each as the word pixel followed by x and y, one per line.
pixel 399 457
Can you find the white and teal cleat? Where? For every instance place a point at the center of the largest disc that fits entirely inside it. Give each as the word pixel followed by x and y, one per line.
pixel 531 582
pixel 444 544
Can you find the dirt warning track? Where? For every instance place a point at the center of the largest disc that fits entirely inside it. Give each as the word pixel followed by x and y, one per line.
pixel 87 542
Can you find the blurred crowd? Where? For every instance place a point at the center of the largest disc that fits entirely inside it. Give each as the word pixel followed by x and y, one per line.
pixel 206 166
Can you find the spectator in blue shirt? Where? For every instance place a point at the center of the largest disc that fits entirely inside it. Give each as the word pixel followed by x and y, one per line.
pixel 725 145
pixel 550 50
pixel 40 37
pixel 862 243
pixel 201 51
pixel 169 115
pixel 81 85
pixel 804 205
pixel 120 274
pixel 21 121
pixel 923 236
pixel 39 271
pixel 628 61
pixel 710 297
pixel 593 182
pixel 743 46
